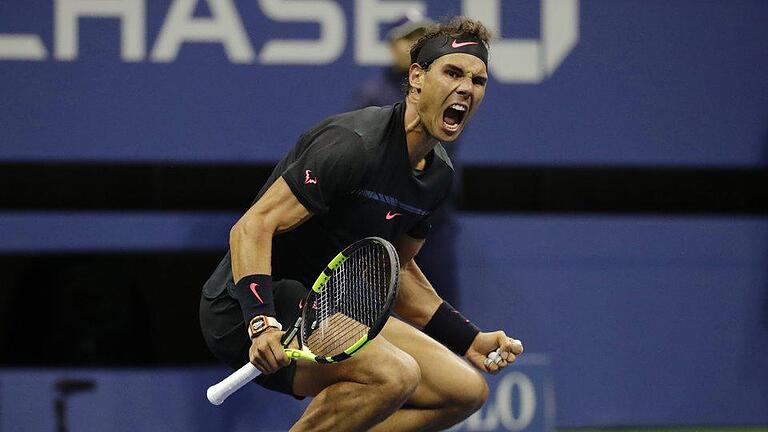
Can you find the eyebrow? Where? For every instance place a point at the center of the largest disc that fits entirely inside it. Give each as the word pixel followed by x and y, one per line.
pixel 458 69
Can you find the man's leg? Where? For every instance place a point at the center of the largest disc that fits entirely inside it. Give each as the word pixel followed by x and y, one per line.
pixel 403 381
pixel 358 393
pixel 450 389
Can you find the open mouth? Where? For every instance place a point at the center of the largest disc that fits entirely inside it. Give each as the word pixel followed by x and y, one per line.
pixel 453 116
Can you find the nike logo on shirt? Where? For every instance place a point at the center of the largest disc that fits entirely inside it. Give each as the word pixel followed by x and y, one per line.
pixel 391 215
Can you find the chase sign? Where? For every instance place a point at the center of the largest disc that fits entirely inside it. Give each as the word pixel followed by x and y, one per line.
pixel 514 60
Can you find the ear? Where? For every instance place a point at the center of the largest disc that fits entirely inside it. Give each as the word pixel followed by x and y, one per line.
pixel 416 76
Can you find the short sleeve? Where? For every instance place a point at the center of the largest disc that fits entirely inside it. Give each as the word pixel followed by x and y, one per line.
pixel 420 229
pixel 332 165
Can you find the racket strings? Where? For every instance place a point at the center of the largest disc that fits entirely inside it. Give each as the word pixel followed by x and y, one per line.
pixel 352 300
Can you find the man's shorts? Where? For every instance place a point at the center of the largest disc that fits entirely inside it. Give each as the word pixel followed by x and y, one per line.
pixel 224 330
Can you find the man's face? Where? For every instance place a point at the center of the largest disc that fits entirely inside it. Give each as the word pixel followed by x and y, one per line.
pixel 451 91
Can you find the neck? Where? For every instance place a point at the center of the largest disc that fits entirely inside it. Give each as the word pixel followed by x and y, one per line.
pixel 419 141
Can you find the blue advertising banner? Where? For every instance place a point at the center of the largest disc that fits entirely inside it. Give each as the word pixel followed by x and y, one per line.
pixel 171 400
pixel 136 400
pixel 522 399
pixel 572 82
pixel 648 321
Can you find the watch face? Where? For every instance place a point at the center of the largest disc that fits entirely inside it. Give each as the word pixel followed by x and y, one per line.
pixel 257 325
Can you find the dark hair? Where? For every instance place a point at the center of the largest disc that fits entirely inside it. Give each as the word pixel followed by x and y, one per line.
pixel 458 27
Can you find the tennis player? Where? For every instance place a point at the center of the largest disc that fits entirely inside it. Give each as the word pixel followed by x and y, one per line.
pixel 379 171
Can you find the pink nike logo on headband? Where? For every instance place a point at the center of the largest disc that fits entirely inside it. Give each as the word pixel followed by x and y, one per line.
pixel 457 44
pixel 253 290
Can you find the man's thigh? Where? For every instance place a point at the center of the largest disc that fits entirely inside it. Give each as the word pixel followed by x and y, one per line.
pixel 443 374
pixel 368 366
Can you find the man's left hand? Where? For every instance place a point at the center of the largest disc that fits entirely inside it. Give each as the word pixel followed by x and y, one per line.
pixel 485 343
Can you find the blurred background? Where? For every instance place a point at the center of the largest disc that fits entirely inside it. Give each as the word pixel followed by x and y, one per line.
pixel 612 211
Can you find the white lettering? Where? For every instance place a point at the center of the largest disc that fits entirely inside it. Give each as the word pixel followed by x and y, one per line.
pixel 529 60
pixel 513 60
pixel 333 32
pixel 369 49
pixel 130 13
pixel 504 410
pixel 561 31
pixel 21 47
pixel 505 403
pixel 224 26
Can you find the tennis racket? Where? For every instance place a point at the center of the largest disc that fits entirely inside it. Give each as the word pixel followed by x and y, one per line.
pixel 347 307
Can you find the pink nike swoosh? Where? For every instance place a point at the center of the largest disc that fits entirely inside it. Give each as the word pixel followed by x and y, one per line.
pixel 253 290
pixel 457 44
pixel 392 215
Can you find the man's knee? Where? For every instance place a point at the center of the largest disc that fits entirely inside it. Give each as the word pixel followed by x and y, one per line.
pixel 458 405
pixel 475 395
pixel 399 376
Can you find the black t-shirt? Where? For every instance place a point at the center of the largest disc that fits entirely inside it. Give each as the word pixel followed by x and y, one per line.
pixel 352 172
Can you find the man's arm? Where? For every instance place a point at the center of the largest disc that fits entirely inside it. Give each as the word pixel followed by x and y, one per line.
pixel 417 300
pixel 250 239
pixel 418 303
pixel 250 243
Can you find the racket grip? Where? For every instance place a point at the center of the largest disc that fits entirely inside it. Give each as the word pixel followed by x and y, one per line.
pixel 217 393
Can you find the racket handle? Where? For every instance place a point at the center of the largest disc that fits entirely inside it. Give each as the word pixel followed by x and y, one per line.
pixel 218 392
pixel 493 357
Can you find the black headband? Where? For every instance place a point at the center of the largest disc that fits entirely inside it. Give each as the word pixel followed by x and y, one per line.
pixel 442 45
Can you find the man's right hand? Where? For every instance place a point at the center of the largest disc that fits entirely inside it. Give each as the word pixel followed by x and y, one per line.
pixel 267 353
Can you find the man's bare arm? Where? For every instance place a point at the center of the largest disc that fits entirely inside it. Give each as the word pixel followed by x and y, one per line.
pixel 250 239
pixel 250 242
pixel 417 300
pixel 417 303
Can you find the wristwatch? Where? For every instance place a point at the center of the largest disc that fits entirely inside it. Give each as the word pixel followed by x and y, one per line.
pixel 260 323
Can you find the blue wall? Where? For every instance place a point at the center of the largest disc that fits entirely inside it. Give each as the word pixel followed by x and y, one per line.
pixel 171 400
pixel 648 321
pixel 638 82
pixel 134 400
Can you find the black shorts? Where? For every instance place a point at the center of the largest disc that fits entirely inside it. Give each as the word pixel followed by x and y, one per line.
pixel 224 330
